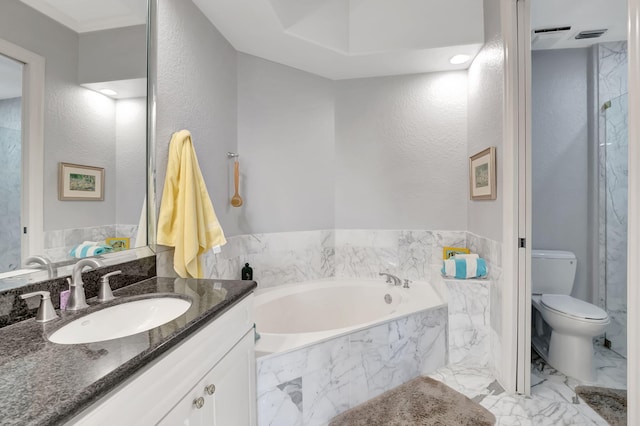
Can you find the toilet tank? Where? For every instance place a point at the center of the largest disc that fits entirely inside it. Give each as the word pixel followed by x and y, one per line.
pixel 552 271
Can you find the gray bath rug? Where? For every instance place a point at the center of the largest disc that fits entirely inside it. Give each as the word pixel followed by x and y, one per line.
pixel 420 402
pixel 611 404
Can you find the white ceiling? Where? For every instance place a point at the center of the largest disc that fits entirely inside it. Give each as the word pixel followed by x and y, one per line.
pixel 133 88
pixel 581 15
pixel 93 15
pixel 341 39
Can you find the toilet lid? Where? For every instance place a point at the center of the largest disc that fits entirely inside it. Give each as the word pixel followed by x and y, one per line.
pixel 572 306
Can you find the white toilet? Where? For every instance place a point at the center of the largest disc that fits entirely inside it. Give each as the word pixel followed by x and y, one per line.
pixel 563 327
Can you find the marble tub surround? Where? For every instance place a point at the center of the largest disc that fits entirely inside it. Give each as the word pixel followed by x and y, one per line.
pixel 313 384
pixel 13 309
pixel 491 251
pixel 469 329
pixel 276 258
pixel 287 257
pixel 407 253
pixel 30 365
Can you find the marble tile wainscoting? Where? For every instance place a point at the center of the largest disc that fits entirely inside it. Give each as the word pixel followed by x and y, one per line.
pixel 313 384
pixel 296 257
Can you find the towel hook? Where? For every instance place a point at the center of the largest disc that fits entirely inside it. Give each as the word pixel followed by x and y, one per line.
pixel 232 155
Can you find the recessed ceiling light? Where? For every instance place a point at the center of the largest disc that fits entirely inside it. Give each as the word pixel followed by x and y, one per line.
pixel 108 92
pixel 459 59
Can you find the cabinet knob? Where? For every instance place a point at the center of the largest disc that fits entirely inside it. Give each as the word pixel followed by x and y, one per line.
pixel 211 389
pixel 199 402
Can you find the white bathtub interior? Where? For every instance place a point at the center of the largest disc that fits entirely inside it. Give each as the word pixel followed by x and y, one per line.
pixel 293 316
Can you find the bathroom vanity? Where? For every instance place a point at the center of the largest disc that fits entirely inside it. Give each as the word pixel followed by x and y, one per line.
pixel 198 367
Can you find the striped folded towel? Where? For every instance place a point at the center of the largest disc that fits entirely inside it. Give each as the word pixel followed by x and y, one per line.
pixel 466 256
pixel 464 268
pixel 88 249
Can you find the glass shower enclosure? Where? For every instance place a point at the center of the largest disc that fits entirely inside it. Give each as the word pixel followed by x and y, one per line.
pixel 615 221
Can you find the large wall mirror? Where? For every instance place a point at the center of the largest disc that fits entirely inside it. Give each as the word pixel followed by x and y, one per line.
pixel 91 117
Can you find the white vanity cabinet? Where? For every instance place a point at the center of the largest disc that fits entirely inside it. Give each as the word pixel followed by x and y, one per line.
pixel 208 379
pixel 220 398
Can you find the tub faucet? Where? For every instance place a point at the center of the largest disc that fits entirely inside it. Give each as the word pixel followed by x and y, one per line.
pixel 44 261
pixel 77 297
pixel 391 278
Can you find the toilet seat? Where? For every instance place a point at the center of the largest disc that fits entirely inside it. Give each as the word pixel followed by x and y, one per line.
pixel 573 307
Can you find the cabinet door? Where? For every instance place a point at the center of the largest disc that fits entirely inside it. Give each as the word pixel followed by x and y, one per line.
pixel 225 396
pixel 234 397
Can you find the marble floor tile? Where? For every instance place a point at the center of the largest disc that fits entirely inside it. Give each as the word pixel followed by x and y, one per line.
pixel 552 402
pixel 611 370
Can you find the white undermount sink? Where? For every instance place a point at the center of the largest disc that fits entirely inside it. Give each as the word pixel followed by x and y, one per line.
pixel 121 320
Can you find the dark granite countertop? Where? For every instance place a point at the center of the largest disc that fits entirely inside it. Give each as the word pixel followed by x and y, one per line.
pixel 44 383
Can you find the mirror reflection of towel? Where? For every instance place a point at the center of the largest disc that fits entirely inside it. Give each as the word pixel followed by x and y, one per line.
pixel 141 235
pixel 88 249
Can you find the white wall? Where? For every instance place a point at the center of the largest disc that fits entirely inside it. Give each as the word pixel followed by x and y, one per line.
pixel 486 80
pixel 395 158
pixel 401 152
pixel 560 157
pixel 286 144
pixel 196 90
pixel 485 129
pixel 131 155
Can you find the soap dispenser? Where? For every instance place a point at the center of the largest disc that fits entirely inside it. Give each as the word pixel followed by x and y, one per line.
pixel 247 272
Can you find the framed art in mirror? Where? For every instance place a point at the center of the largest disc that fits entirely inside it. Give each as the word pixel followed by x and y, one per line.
pixel 80 183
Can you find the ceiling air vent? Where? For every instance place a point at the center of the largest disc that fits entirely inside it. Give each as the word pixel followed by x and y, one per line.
pixel 546 38
pixel 552 30
pixel 590 34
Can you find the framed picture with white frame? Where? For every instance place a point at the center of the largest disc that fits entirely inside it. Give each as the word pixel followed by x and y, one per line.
pixel 80 183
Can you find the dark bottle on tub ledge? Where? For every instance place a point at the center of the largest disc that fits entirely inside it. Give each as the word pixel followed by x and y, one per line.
pixel 247 272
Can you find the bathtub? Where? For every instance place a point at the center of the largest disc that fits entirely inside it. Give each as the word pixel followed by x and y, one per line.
pixel 293 316
pixel 327 346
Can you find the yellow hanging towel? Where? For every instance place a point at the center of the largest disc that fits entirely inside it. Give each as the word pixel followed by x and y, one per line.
pixel 187 220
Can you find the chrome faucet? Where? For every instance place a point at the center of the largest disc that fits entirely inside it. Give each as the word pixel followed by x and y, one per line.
pixel 391 278
pixel 77 297
pixel 44 261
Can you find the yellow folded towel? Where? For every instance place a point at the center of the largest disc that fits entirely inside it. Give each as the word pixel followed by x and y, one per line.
pixel 187 220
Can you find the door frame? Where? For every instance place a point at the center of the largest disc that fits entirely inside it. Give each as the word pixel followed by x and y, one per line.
pixel 633 231
pixel 517 205
pixel 32 133
pixel 516 298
